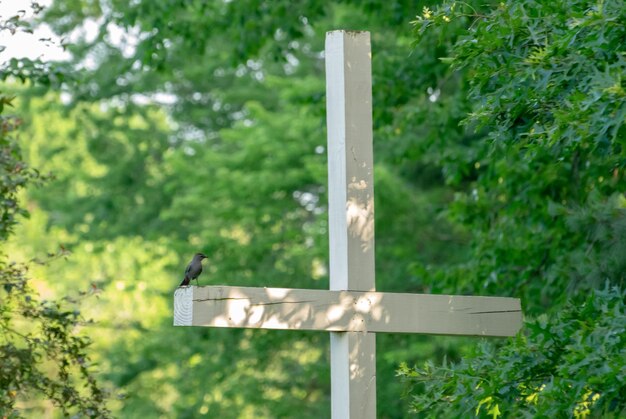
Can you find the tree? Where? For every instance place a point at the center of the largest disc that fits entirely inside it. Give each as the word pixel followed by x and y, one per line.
pixel 545 202
pixel 569 364
pixel 42 354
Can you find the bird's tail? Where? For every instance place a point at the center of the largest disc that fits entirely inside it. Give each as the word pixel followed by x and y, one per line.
pixel 185 282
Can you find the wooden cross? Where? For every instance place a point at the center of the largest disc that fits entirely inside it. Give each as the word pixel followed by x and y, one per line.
pixel 351 310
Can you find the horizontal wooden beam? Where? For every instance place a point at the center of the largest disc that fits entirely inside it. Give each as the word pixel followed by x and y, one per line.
pixel 346 311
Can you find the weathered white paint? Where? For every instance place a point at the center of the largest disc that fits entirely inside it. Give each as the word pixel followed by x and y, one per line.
pixel 351 213
pixel 346 311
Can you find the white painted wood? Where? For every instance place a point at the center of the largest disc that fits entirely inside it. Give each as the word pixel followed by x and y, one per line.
pixel 350 160
pixel 183 306
pixel 354 353
pixel 351 211
pixel 346 311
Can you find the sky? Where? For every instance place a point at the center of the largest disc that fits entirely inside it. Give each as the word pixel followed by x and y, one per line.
pixel 25 45
pixel 45 45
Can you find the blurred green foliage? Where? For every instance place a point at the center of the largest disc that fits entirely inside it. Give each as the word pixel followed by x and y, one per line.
pixel 203 132
pixel 44 357
pixel 191 126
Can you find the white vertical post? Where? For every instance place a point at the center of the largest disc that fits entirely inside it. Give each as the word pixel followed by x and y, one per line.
pixel 351 214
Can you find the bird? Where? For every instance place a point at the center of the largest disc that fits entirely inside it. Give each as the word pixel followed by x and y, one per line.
pixel 194 269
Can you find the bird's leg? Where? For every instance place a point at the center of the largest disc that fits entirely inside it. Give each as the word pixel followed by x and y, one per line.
pixel 197 283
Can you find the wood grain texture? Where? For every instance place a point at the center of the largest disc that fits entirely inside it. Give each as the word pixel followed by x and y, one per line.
pixel 183 306
pixel 347 311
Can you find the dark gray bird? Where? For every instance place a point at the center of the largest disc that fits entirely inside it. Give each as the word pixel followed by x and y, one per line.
pixel 194 269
